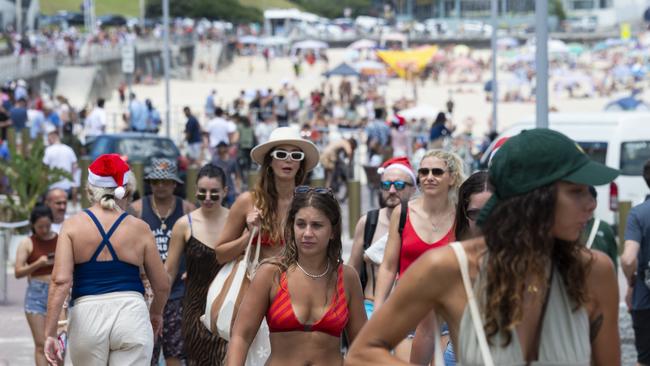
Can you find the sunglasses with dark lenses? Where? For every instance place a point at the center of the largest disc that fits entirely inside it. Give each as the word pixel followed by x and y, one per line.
pixel 472 214
pixel 213 196
pixel 285 155
pixel 318 190
pixel 399 185
pixel 436 172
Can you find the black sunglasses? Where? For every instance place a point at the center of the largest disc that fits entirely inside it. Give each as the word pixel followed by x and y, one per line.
pixel 435 171
pixel 399 185
pixel 213 196
pixel 472 214
pixel 307 189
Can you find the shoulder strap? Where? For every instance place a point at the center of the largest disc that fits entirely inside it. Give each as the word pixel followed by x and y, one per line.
pixel 471 302
pixel 189 219
pixel 592 234
pixel 368 232
pixel 105 236
pixel 371 225
pixel 402 222
pixel 402 216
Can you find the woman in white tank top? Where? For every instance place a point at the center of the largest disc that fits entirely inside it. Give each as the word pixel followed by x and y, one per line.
pixel 527 292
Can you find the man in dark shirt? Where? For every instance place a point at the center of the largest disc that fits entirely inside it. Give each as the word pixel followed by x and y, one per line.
pixel 18 115
pixel 635 262
pixel 229 165
pixel 192 136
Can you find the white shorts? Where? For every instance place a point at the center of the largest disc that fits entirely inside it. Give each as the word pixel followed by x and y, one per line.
pixel 194 150
pixel 110 329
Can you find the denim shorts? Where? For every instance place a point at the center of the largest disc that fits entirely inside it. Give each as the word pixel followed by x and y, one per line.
pixel 36 297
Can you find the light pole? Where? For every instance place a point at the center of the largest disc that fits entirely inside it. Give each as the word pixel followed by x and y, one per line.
pixel 495 93
pixel 541 63
pixel 166 64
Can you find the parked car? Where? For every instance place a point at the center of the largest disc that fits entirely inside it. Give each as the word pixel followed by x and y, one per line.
pixel 111 20
pixel 136 146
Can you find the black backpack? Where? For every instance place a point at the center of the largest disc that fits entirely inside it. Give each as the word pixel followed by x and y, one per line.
pixel 372 218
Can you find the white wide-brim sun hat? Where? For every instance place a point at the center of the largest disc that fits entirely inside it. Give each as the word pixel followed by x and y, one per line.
pixel 287 136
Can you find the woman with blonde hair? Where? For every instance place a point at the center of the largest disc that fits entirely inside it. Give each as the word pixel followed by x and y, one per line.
pixel 429 224
pixel 99 255
pixel 527 291
pixel 308 296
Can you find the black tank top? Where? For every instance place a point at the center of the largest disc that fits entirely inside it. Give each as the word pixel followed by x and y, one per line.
pixel 162 232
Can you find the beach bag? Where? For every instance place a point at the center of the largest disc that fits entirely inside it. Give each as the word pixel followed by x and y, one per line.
pixel 225 295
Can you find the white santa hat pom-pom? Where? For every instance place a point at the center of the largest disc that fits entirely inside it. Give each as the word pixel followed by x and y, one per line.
pixel 119 192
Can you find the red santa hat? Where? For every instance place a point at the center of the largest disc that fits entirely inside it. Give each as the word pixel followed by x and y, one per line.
pixel 108 171
pixel 401 163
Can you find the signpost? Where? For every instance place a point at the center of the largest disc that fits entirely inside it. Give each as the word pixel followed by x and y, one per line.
pixel 128 62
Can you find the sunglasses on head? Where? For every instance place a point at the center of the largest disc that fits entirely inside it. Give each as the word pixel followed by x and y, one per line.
pixel 285 155
pixel 436 172
pixel 472 214
pixel 399 184
pixel 307 189
pixel 213 196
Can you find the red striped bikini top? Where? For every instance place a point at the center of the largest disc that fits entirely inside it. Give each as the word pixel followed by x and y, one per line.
pixel 281 317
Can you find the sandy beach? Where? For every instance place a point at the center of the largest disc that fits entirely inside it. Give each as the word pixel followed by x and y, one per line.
pixel 469 97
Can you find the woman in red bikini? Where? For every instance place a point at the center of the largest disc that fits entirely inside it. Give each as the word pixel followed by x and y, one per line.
pixel 284 162
pixel 308 296
pixel 429 224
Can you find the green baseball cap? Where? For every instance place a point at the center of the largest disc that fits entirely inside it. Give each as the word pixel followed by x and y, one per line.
pixel 538 157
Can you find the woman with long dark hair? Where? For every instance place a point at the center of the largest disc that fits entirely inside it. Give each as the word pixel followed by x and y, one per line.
pixel 193 236
pixel 527 291
pixel 308 296
pixel 35 259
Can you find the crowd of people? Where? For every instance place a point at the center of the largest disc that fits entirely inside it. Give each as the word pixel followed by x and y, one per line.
pixel 497 268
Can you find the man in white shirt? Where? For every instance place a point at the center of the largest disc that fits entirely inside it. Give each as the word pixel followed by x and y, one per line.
pixel 221 130
pixel 95 123
pixel 58 155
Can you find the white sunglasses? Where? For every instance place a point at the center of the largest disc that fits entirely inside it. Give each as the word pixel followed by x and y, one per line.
pixel 285 155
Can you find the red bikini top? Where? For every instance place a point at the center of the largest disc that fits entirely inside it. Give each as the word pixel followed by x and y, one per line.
pixel 281 318
pixel 266 241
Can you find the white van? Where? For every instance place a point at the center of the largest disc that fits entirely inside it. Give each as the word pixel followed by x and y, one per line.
pixel 619 140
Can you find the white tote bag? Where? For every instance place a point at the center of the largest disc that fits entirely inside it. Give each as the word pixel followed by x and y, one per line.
pixel 224 296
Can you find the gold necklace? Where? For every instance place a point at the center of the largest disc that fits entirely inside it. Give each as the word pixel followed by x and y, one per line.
pixel 163 225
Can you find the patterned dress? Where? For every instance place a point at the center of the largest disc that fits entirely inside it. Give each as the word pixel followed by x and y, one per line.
pixel 201 346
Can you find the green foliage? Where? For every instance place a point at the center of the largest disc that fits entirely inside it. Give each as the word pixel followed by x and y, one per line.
pixel 29 178
pixel 230 10
pixel 556 7
pixel 334 8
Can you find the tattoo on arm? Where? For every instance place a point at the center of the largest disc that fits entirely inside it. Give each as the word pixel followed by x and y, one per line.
pixel 594 327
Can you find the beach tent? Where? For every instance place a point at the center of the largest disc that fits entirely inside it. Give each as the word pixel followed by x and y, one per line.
pixel 401 62
pixel 419 112
pixel 393 38
pixel 309 44
pixel 342 70
pixel 248 40
pixel 363 44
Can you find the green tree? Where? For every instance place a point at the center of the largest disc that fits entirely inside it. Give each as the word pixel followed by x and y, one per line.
pixel 334 8
pixel 28 178
pixel 230 10
pixel 556 8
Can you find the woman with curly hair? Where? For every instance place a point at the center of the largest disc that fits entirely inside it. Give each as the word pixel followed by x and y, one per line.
pixel 285 159
pixel 429 224
pixel 527 292
pixel 309 297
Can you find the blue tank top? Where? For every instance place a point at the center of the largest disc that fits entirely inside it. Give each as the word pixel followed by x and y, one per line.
pixel 162 232
pixel 101 277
